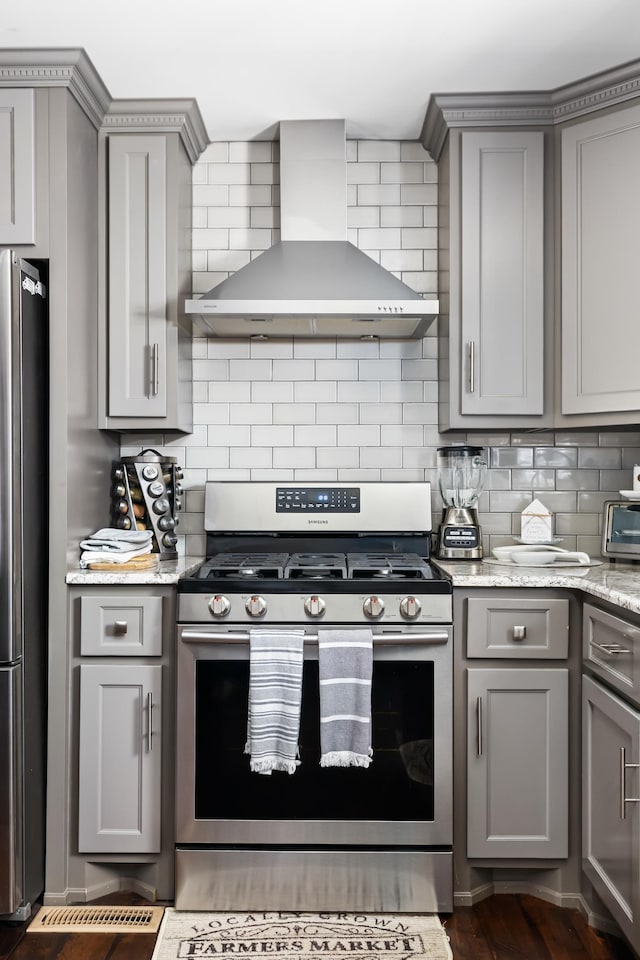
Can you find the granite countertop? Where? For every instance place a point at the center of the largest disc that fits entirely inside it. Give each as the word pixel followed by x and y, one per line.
pixel 167 572
pixel 618 582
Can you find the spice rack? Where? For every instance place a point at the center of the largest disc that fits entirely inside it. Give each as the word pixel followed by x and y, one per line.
pixel 145 495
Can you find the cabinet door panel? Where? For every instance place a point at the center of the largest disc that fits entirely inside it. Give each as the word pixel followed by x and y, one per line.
pixel 137 276
pixel 600 254
pixel 611 842
pixel 120 766
pixel 502 273
pixel 17 167
pixel 517 763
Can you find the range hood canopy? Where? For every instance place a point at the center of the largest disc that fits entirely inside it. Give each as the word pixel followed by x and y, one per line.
pixel 313 283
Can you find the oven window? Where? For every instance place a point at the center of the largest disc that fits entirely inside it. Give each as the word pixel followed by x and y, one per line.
pixel 398 784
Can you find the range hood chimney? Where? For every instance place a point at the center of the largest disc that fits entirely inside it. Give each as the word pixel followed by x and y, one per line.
pixel 313 283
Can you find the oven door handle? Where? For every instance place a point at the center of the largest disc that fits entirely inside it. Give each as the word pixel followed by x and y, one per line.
pixel 198 636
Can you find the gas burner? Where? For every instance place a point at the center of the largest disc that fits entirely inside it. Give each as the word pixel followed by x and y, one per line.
pixel 400 566
pixel 316 566
pixel 243 566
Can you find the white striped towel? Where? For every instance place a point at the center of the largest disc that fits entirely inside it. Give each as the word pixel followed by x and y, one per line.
pixel 275 696
pixel 345 666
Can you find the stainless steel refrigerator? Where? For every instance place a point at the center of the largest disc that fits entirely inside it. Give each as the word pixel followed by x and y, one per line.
pixel 24 457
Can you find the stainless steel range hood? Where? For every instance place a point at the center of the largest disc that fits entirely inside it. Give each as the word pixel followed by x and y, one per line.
pixel 314 283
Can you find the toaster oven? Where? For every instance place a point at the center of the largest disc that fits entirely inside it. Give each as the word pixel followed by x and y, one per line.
pixel 621 529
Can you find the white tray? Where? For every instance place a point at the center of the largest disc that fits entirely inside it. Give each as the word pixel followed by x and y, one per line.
pixel 542 566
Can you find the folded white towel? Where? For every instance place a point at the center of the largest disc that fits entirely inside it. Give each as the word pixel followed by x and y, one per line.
pixel 275 696
pixel 116 541
pixel 109 556
pixel 345 667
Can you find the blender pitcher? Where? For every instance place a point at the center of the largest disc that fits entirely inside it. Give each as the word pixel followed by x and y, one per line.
pixel 461 476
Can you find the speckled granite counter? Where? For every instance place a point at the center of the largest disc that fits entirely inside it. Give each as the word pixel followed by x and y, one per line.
pixel 619 583
pixel 167 572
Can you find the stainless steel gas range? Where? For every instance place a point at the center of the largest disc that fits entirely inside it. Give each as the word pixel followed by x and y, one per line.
pixel 314 556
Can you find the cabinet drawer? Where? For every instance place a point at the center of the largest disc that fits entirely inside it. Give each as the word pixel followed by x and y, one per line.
pixel 121 626
pixel 611 647
pixel 526 629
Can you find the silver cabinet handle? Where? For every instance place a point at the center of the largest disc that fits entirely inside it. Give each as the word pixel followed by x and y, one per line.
pixel 624 766
pixel 472 366
pixel 211 636
pixel 479 744
pixel 519 633
pixel 149 722
pixel 155 370
pixel 610 648
pixel 120 628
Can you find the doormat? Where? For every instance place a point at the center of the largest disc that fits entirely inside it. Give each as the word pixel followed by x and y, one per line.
pixel 97 919
pixel 306 936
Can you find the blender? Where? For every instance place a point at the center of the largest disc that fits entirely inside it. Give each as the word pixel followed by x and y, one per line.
pixel 461 476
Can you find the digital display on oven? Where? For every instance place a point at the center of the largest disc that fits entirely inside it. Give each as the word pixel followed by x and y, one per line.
pixel 318 499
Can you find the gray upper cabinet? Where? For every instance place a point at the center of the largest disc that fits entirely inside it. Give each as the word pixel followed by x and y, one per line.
pixel 148 149
pixel 495 264
pixel 501 355
pixel 600 256
pixel 17 167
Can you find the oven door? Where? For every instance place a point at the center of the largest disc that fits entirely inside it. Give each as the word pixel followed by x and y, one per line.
pixel 404 798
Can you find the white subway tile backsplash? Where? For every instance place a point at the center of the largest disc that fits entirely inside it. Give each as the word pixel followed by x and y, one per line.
pixel 238 391
pixel 336 457
pixel 293 369
pixel 379 151
pixel 314 349
pixel 336 369
pixel 363 173
pixel 314 391
pixel 425 238
pixel 272 435
pixel 294 413
pixel 210 195
pixel 215 153
pixel 381 413
pixel 228 217
pixel 206 413
pixel 356 391
pixel 403 435
pixel 379 195
pixel 250 413
pixel 315 435
pixel 250 195
pixel 251 457
pixel 264 173
pixel 402 216
pixel 251 151
pixel 252 369
pixel 210 369
pixel 380 457
pixel 420 413
pixel 413 150
pixel 379 239
pixel 405 172
pixel 359 436
pixel 402 391
pixel 226 173
pixel 272 391
pixel 401 259
pixel 363 217
pixel 294 457
pixel 250 239
pixel 380 370
pixel 337 413
pixel 357 349
pixel 424 194
pixel 272 349
pixel 236 435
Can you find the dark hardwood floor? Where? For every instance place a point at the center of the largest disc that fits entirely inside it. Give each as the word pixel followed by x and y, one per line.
pixel 503 927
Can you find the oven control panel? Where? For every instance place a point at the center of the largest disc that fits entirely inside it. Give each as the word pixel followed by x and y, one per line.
pixel 317 499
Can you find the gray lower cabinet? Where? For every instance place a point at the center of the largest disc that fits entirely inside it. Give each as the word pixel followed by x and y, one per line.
pixel 17 167
pixel 119 804
pixel 517 762
pixel 611 804
pixel 600 253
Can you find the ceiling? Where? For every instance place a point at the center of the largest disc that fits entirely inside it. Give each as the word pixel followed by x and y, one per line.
pixel 251 63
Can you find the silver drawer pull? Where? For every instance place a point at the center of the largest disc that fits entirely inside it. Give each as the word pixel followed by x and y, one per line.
pixel 624 766
pixel 519 633
pixel 612 649
pixel 472 366
pixel 150 722
pixel 120 628
pixel 479 726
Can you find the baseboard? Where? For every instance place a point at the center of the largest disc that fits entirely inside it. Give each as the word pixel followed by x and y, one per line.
pixel 568 901
pixel 89 894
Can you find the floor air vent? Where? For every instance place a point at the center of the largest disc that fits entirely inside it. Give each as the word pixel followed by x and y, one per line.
pixel 109 919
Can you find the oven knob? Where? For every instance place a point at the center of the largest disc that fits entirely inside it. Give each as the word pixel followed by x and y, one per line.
pixel 219 606
pixel 314 606
pixel 373 607
pixel 256 606
pixel 410 608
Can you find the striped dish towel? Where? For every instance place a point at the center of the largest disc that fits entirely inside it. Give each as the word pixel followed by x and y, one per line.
pixel 345 665
pixel 275 695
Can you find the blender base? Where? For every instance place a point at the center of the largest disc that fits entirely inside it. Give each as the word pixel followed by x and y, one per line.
pixel 460 535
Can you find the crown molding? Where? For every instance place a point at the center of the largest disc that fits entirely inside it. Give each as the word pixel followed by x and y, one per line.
pixel 163 116
pixel 59 67
pixel 446 111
